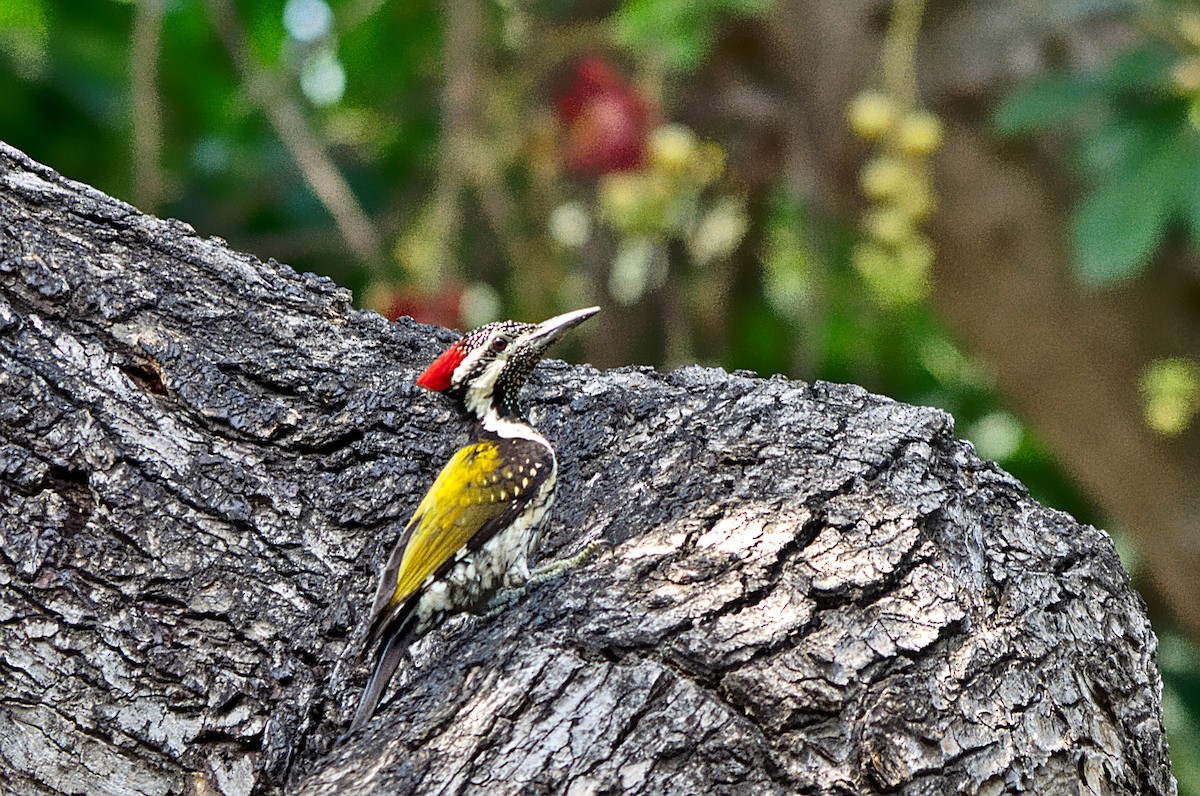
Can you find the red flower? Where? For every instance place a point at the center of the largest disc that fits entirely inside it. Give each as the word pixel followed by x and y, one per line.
pixel 441 308
pixel 607 121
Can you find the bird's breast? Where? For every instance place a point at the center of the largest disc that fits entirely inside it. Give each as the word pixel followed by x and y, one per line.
pixel 501 562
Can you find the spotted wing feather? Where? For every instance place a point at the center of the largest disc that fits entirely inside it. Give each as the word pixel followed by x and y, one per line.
pixel 483 487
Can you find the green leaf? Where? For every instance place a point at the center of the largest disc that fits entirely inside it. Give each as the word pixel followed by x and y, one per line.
pixel 1141 71
pixel 1117 228
pixel 24 35
pixel 1117 146
pixel 1044 104
pixel 679 33
pixel 26 15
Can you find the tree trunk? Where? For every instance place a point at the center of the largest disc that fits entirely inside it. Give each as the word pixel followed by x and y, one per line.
pixel 808 588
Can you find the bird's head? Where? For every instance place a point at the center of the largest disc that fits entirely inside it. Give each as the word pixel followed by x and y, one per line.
pixel 487 367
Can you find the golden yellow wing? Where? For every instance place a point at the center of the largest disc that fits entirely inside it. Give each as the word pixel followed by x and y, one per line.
pixel 482 488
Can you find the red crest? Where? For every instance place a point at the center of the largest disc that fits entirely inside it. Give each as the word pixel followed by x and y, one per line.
pixel 437 376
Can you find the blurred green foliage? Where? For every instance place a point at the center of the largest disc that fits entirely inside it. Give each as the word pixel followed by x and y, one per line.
pixel 1135 148
pixel 65 79
pixel 677 34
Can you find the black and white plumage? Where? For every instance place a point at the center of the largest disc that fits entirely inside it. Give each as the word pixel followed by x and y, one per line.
pixel 476 528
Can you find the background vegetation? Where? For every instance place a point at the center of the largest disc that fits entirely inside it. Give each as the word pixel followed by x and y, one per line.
pixel 992 210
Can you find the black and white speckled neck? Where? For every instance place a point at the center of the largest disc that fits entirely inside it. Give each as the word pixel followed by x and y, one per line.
pixel 499 358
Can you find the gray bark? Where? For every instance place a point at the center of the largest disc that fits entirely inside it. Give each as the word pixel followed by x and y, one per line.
pixel 808 588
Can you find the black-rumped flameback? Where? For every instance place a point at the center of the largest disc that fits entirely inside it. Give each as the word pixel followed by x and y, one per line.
pixel 473 532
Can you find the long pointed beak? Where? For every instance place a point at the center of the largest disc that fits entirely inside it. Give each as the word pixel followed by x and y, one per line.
pixel 550 330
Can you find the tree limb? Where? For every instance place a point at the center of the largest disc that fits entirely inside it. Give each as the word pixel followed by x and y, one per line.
pixel 809 588
pixel 296 135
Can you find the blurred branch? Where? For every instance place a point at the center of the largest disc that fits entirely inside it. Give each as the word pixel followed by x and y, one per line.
pixel 677 343
pixel 146 144
pixel 301 142
pixel 900 50
pixel 464 33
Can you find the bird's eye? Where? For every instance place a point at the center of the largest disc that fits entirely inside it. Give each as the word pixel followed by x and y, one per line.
pixel 499 343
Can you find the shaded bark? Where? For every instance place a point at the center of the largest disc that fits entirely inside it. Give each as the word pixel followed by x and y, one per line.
pixel 808 588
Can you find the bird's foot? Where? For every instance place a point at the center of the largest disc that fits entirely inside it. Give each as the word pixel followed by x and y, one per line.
pixel 502 599
pixel 541 574
pixel 552 569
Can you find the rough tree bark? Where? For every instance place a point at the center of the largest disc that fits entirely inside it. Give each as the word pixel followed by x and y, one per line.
pixel 809 588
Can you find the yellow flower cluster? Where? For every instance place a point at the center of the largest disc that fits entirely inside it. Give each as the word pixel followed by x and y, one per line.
pixel 895 258
pixel 658 197
pixel 1171 394
pixel 668 198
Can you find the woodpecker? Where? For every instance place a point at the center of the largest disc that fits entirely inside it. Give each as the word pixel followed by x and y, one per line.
pixel 472 533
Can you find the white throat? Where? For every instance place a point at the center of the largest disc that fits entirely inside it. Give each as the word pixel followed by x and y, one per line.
pixel 479 395
pixel 511 429
pixel 478 401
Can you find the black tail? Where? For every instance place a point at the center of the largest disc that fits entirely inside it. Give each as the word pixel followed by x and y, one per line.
pixel 390 653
